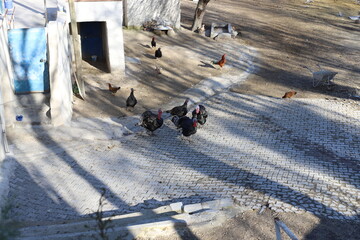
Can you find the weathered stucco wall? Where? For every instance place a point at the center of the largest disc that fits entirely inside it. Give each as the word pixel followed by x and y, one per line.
pixel 163 11
pixel 60 72
pixel 6 83
pixel 2 126
pixel 6 109
pixel 110 12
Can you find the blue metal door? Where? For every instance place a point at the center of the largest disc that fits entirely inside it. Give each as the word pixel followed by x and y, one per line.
pixel 28 48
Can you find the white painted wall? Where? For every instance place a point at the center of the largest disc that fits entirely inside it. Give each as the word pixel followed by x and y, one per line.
pixel 60 72
pixel 2 127
pixel 163 11
pixel 6 83
pixel 6 110
pixel 111 13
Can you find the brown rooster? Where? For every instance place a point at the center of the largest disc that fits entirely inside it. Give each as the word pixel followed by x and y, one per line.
pixel 222 61
pixel 112 89
pixel 289 94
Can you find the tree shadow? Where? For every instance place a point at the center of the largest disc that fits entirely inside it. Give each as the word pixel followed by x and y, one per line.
pixel 335 229
pixel 311 155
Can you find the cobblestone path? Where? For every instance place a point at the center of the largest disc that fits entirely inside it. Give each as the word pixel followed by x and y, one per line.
pixel 296 155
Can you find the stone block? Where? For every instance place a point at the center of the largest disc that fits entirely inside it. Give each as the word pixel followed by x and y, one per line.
pixel 217 28
pixel 211 204
pixel 222 36
pixel 177 207
pixel 192 208
pixel 226 202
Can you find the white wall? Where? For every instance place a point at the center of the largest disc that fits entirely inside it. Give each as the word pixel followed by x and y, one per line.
pixel 60 72
pixel 163 11
pixel 111 13
pixel 6 83
pixel 6 109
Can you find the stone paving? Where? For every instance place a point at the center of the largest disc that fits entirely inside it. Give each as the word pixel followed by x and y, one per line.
pixel 295 155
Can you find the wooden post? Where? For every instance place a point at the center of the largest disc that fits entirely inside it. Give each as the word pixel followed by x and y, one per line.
pixel 45 13
pixel 125 15
pixel 76 45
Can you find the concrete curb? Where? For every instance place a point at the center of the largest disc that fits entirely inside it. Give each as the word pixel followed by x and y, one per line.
pixel 149 222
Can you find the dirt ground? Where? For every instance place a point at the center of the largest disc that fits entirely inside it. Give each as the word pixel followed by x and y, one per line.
pixel 287 34
pixel 250 225
pixel 182 66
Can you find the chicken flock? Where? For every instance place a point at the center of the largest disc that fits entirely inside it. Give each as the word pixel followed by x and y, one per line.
pixel 152 121
pixel 188 126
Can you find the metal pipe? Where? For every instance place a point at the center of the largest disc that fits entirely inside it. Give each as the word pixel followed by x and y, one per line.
pixel 279 223
pixel 277 230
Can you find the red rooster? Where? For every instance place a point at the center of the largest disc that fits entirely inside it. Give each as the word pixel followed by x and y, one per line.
pixel 221 62
pixel 289 94
pixel 113 89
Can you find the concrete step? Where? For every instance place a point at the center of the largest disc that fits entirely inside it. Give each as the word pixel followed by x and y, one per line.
pixel 128 226
pixel 88 226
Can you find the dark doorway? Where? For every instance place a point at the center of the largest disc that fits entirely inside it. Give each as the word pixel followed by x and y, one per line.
pixel 94 44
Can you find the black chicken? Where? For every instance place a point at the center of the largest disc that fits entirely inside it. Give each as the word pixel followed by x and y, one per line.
pixel 131 100
pixel 153 42
pixel 200 114
pixel 158 53
pixel 179 111
pixel 187 125
pixel 151 121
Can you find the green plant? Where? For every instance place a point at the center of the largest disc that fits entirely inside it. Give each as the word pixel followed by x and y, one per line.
pixel 99 217
pixel 76 90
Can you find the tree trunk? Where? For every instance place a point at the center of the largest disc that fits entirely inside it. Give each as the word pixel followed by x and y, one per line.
pixel 125 10
pixel 199 14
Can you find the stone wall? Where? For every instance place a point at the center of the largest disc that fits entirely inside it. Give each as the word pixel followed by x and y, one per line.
pixel 163 11
pixel 60 72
